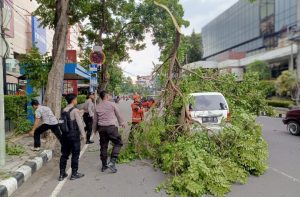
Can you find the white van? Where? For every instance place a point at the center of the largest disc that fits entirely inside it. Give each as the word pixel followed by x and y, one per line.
pixel 209 108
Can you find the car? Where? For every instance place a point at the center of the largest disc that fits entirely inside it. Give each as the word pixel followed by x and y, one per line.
pixel 210 109
pixel 292 120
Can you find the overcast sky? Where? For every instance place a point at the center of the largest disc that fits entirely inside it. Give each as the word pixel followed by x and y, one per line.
pixel 198 12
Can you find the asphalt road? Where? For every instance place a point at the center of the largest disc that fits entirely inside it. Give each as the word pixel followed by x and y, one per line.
pixel 140 178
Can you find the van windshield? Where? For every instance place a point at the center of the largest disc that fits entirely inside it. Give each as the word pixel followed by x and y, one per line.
pixel 208 102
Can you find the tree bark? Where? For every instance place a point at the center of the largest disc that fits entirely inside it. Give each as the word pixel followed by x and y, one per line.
pixel 103 76
pixel 174 74
pixel 54 88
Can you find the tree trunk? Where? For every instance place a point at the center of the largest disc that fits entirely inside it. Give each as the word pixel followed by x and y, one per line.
pixel 103 78
pixel 173 75
pixel 54 88
pixel 103 75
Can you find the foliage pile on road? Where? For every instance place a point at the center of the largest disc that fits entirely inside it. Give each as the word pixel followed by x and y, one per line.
pixel 200 161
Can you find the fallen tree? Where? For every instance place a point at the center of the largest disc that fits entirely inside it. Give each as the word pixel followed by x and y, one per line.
pixel 200 161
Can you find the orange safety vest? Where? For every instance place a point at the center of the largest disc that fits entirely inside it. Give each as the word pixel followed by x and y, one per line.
pixel 137 113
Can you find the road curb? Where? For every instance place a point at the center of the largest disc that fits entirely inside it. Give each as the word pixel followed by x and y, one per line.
pixel 10 185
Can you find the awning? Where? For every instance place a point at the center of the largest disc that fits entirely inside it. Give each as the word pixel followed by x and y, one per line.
pixel 75 72
pixel 12 77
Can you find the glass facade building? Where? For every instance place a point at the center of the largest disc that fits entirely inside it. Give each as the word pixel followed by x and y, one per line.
pixel 248 27
pixel 285 13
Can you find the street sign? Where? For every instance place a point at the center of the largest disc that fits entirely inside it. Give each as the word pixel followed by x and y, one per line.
pixel 97 48
pixel 97 57
pixel 93 68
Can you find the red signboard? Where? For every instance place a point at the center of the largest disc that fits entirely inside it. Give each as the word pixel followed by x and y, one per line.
pixel 71 56
pixel 70 87
pixel 97 57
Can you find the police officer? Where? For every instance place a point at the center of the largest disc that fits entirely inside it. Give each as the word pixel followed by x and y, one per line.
pixel 106 115
pixel 71 140
pixel 89 109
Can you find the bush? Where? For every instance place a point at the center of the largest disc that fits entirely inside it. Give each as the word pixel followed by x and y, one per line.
pixel 81 99
pixel 15 106
pixel 280 103
pixel 268 86
pixel 261 68
pixel 15 110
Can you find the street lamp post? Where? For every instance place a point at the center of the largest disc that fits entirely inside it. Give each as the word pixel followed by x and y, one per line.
pixel 2 119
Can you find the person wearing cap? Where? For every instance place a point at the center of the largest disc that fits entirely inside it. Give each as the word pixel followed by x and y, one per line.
pixel 106 117
pixel 89 109
pixel 50 122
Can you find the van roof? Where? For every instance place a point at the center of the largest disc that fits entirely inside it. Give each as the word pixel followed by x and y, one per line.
pixel 205 93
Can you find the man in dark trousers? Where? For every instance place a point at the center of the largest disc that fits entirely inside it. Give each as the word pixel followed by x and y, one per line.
pixel 106 117
pixel 89 110
pixel 45 114
pixel 71 140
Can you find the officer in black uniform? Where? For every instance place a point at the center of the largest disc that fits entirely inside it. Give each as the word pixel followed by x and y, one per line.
pixel 71 140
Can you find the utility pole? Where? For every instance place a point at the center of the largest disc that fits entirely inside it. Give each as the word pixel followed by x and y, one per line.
pixel 2 117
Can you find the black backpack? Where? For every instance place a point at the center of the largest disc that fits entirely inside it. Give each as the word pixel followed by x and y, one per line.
pixel 65 121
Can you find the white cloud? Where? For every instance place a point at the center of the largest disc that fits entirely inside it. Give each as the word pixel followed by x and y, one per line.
pixel 198 12
pixel 142 63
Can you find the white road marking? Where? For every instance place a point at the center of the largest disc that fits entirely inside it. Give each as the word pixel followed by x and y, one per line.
pixel 60 185
pixel 286 175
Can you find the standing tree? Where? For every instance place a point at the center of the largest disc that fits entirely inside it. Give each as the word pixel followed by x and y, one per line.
pixel 59 14
pixel 54 87
pixel 261 68
pixel 194 47
pixel 287 84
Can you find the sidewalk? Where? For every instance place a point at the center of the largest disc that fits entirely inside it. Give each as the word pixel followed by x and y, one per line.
pixel 21 163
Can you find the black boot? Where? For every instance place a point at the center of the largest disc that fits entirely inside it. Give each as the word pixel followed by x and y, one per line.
pixel 104 165
pixel 89 142
pixel 76 175
pixel 112 165
pixel 62 175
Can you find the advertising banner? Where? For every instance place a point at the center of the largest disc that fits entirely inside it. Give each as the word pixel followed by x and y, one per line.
pixel 38 35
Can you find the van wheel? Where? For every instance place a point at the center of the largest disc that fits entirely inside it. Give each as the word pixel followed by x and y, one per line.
pixel 293 127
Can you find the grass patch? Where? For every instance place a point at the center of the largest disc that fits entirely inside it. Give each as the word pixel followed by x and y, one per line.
pixel 14 150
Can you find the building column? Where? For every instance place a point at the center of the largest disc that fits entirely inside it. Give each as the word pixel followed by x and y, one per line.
pixel 298 60
pixel 298 43
pixel 298 11
pixel 292 59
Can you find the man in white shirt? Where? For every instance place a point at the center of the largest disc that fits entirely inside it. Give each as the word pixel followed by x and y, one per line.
pixel 45 114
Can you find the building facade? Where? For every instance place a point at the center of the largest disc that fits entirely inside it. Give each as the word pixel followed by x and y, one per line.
pixel 254 31
pixel 249 28
pixel 22 32
pixel 145 81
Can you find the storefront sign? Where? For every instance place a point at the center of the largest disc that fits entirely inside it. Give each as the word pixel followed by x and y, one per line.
pixel 38 35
